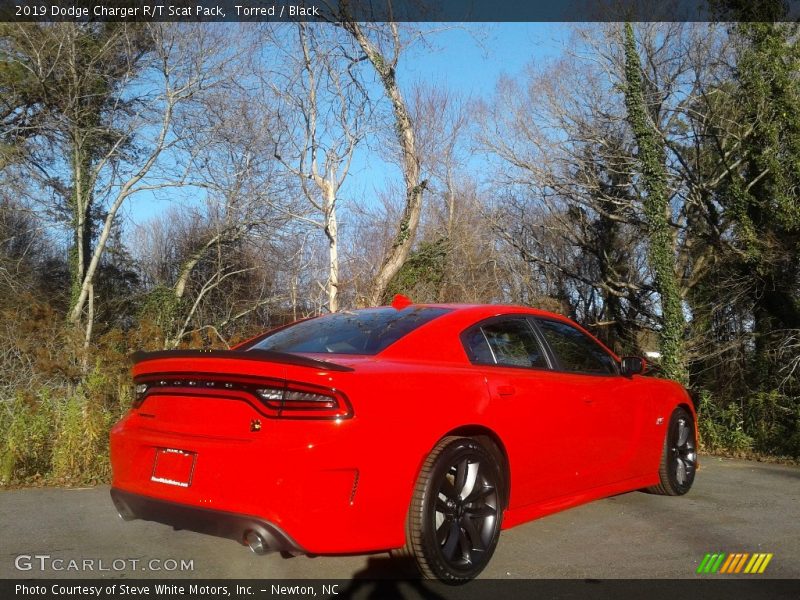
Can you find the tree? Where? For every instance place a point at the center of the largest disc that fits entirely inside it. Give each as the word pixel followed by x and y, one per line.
pixel 385 65
pixel 100 103
pixel 201 265
pixel 563 202
pixel 661 251
pixel 760 198
pixel 63 86
pixel 322 114
pixel 763 195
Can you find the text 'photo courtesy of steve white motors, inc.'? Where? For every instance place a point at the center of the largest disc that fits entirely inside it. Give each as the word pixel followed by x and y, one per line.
pixel 156 11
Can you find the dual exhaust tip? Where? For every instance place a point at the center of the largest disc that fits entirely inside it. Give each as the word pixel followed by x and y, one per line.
pixel 262 537
pixel 257 543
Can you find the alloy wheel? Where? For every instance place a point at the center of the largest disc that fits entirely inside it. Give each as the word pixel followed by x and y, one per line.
pixel 684 453
pixel 465 515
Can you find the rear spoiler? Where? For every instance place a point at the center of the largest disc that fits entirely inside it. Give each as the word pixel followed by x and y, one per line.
pixel 283 358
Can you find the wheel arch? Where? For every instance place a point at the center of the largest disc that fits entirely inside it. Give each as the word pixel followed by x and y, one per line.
pixel 496 446
pixel 687 406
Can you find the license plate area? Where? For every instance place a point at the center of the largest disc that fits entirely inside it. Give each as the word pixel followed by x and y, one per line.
pixel 173 467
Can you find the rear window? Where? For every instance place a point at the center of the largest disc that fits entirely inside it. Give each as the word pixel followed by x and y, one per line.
pixel 506 342
pixel 367 331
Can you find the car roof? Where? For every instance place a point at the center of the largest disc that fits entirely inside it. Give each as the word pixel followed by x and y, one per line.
pixel 490 309
pixel 461 316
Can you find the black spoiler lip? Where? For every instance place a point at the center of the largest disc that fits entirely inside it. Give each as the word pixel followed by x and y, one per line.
pixel 256 355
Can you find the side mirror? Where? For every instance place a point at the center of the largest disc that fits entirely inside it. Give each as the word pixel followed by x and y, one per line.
pixel 632 365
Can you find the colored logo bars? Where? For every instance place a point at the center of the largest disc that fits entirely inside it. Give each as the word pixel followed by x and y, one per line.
pixel 720 562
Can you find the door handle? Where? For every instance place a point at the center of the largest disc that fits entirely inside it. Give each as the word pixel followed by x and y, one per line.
pixel 506 390
pixel 588 400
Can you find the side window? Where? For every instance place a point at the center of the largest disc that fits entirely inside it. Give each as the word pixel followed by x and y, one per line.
pixel 509 343
pixel 574 350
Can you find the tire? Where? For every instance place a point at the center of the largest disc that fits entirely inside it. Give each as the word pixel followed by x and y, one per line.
pixel 679 456
pixel 456 511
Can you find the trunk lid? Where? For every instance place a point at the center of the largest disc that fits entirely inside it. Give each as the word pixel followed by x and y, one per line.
pixel 226 394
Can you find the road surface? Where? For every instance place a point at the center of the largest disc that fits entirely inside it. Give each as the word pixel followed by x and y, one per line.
pixel 735 506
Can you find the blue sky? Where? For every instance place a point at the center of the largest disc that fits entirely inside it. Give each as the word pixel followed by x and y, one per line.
pixel 471 57
pixel 466 58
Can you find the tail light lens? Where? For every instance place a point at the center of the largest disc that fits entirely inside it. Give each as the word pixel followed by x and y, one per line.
pixel 275 398
pixel 299 401
pixel 139 393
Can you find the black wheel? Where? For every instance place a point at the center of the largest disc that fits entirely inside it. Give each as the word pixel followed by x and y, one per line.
pixel 679 457
pixel 456 511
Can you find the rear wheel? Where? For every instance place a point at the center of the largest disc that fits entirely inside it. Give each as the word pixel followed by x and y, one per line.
pixel 679 456
pixel 455 514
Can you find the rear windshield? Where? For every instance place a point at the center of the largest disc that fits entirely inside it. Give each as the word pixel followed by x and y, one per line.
pixel 367 331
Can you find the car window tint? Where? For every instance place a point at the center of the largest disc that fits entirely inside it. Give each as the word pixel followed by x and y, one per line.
pixel 478 348
pixel 505 343
pixel 367 331
pixel 575 350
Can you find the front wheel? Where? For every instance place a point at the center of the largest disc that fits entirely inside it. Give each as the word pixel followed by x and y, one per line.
pixel 456 511
pixel 679 456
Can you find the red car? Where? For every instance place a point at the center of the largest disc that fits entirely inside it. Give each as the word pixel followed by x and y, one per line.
pixel 424 429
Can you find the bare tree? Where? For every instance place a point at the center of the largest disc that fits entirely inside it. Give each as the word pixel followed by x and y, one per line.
pixel 110 97
pixel 245 203
pixel 187 61
pixel 571 152
pixel 322 113
pixel 372 40
pixel 453 233
pixel 562 197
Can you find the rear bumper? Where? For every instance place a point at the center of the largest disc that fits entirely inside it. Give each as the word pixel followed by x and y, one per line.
pixel 212 522
pixel 314 480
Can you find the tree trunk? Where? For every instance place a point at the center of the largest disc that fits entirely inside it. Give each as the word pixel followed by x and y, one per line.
pixel 87 340
pixel 661 251
pixel 407 229
pixel 81 214
pixel 332 233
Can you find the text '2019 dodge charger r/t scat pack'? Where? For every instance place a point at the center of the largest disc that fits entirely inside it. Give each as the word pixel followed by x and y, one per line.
pixel 424 429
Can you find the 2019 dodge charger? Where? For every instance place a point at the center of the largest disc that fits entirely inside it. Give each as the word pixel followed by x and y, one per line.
pixel 420 429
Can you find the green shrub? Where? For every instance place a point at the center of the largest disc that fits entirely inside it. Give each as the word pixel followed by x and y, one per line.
pixel 773 419
pixel 60 436
pixel 722 426
pixel 765 423
pixel 80 454
pixel 25 454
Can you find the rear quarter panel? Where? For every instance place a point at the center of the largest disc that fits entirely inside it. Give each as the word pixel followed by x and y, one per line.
pixel 666 396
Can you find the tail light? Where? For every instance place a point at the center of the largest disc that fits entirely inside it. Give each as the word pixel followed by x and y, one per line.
pixel 139 393
pixel 295 400
pixel 273 397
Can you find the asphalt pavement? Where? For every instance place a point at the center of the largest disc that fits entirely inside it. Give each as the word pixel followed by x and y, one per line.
pixel 735 506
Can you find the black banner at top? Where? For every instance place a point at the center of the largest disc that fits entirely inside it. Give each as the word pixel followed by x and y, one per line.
pixel 397 10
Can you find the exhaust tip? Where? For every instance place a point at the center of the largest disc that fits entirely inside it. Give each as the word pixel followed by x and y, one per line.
pixel 257 543
pixel 125 513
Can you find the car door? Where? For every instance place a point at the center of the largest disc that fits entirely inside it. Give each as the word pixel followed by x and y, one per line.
pixel 541 426
pixel 613 412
